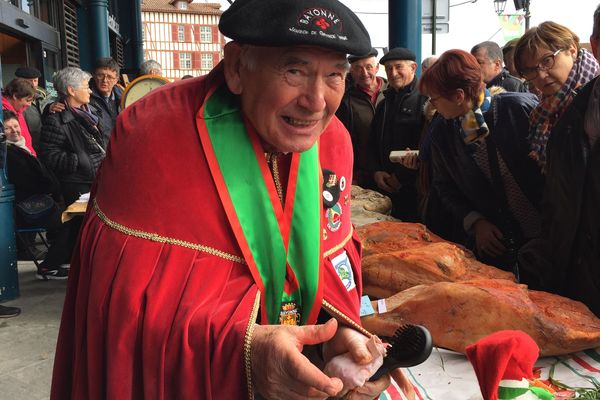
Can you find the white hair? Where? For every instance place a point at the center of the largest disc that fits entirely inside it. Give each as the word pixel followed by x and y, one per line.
pixel 69 76
pixel 148 66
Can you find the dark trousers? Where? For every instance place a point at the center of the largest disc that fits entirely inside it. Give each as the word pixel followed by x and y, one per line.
pixel 57 234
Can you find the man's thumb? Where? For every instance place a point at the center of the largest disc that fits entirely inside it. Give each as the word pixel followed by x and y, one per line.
pixel 314 334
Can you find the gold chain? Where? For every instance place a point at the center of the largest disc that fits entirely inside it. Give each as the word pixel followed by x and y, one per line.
pixel 272 162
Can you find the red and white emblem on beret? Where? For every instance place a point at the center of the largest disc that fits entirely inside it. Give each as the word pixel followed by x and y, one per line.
pixel 320 18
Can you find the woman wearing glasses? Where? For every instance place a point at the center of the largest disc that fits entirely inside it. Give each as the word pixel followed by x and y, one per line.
pixel 571 110
pixel 481 170
pixel 551 59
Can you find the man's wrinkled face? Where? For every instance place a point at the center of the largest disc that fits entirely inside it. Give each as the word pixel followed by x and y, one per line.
pixel 400 73
pixel 364 72
pixel 289 94
pixel 105 79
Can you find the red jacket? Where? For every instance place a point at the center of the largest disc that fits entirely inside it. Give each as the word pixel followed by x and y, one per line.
pixel 159 297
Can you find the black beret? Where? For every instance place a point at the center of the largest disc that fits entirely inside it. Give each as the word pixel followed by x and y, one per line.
pixel 27 72
pixel 323 23
pixel 398 53
pixel 371 53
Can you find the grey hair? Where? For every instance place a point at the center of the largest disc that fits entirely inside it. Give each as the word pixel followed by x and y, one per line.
pixel 149 65
pixel 248 57
pixel 69 76
pixel 493 50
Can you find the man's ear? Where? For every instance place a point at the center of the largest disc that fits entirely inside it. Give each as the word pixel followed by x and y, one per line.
pixel 232 66
pixel 499 64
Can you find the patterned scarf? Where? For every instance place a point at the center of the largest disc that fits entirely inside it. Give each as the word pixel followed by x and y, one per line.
pixel 85 112
pixel 543 118
pixel 473 126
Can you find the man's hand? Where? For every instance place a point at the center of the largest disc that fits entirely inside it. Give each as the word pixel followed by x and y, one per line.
pixel 56 107
pixel 410 161
pixel 488 238
pixel 386 181
pixel 281 371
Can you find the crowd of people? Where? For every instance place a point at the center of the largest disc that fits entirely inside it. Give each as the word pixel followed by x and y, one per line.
pixel 504 160
pixel 241 276
pixel 54 149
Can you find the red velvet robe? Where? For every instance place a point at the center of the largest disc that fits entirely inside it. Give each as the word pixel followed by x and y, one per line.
pixel 158 302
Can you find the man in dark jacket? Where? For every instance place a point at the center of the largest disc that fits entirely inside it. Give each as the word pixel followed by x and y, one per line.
pixel 570 215
pixel 397 125
pixel 105 102
pixel 357 110
pixel 489 56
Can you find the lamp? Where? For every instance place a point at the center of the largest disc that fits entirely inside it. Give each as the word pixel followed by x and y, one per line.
pixel 524 5
pixel 499 6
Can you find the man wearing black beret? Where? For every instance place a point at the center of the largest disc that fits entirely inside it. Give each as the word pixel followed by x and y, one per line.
pixel 33 113
pixel 357 110
pixel 397 125
pixel 236 274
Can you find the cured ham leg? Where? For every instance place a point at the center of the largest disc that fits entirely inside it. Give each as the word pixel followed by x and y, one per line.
pixel 389 273
pixel 387 236
pixel 459 313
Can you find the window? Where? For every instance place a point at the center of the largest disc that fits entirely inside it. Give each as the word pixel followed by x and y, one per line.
pixel 185 60
pixel 181 33
pixel 182 5
pixel 44 10
pixel 207 61
pixel 205 34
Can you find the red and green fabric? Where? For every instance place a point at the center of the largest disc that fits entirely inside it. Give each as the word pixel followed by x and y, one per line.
pixel 280 244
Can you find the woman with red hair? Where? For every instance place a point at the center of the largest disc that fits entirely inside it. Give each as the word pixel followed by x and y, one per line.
pixel 481 170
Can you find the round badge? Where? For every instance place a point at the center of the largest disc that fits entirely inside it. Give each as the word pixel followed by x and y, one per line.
pixel 334 217
pixel 342 183
pixel 327 196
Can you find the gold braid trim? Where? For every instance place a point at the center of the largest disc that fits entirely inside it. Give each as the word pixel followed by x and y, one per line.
pixel 341 244
pixel 162 239
pixel 248 345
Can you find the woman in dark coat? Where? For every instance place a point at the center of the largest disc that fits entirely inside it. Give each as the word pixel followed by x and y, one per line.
pixel 564 129
pixel 30 178
pixel 72 143
pixel 481 169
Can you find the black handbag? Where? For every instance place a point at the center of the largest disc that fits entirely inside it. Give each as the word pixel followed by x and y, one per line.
pixel 36 207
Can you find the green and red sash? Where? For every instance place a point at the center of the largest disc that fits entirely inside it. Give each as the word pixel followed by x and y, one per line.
pixel 281 246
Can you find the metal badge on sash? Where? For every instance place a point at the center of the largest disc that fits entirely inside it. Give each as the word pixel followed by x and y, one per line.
pixel 341 264
pixel 289 314
pixel 334 217
pixel 331 188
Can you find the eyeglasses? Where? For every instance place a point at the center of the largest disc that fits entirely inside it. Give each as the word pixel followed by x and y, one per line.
pixel 102 77
pixel 545 64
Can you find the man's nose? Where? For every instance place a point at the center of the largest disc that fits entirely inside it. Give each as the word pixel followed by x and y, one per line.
pixel 313 95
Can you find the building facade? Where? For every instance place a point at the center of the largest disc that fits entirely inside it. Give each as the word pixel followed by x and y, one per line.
pixel 182 36
pixel 53 34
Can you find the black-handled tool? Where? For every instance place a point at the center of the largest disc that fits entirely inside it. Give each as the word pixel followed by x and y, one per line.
pixel 410 346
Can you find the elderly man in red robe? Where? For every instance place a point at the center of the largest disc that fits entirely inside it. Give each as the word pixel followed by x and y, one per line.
pixel 217 259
